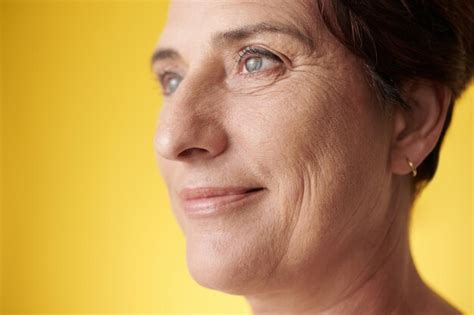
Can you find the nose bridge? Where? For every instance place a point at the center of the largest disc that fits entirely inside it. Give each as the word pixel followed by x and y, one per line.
pixel 191 123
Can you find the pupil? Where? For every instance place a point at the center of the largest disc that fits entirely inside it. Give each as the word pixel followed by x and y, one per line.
pixel 253 64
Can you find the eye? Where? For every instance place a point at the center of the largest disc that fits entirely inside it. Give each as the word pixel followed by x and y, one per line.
pixel 170 82
pixel 257 60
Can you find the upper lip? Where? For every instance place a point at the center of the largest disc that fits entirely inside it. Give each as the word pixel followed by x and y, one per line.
pixel 209 192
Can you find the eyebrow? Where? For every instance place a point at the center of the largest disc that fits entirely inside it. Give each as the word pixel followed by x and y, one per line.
pixel 233 35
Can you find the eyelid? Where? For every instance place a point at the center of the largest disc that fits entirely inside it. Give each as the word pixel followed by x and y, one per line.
pixel 163 74
pixel 256 51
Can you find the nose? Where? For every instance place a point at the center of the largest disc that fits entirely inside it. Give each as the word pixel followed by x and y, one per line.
pixel 189 129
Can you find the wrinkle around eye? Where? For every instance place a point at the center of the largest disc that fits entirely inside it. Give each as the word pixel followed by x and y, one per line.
pixel 257 87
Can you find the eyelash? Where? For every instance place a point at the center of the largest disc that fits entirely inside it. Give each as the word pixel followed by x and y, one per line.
pixel 254 52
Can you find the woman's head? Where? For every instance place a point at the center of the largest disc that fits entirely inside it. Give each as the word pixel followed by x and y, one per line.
pixel 281 100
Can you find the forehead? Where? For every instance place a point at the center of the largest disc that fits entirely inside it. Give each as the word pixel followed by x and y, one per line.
pixel 191 23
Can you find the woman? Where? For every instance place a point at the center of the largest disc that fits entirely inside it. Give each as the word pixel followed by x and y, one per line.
pixel 294 138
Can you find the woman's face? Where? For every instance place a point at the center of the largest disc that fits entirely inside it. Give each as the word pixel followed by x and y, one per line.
pixel 259 95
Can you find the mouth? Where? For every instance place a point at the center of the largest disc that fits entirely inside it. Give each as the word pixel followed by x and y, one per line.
pixel 206 201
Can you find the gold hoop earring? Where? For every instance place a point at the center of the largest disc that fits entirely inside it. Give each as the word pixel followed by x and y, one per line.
pixel 413 168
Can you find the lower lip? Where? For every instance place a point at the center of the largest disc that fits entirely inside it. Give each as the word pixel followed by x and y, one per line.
pixel 214 205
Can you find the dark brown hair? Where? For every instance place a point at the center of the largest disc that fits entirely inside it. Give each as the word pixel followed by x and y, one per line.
pixel 400 40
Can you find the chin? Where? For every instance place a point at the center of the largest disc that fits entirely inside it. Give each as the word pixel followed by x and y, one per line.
pixel 226 268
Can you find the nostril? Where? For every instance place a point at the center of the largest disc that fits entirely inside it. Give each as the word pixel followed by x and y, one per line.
pixel 188 153
pixel 189 140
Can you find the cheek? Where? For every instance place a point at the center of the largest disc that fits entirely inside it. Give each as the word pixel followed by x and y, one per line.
pixel 314 149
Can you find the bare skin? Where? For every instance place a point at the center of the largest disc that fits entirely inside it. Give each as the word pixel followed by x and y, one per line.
pixel 278 104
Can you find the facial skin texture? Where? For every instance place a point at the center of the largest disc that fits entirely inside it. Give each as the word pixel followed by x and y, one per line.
pixel 329 232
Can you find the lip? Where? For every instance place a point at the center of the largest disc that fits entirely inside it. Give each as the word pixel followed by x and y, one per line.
pixel 205 201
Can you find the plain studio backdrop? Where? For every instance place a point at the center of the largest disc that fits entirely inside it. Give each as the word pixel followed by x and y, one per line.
pixel 86 225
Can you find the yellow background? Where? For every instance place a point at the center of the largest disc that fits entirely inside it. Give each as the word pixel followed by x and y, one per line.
pixel 86 224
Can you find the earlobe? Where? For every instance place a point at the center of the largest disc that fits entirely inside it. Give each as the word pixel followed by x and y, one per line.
pixel 417 130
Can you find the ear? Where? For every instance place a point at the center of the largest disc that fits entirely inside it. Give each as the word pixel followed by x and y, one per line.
pixel 417 130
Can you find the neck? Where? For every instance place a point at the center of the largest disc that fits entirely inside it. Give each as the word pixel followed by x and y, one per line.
pixel 384 281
